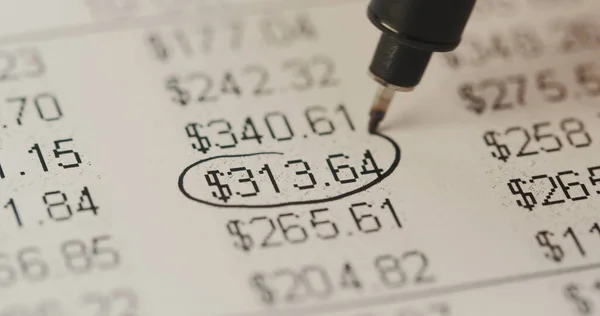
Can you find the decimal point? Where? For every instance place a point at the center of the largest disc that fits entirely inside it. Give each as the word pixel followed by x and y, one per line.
pixel 40 222
pixel 327 184
pixel 22 173
pixel 305 136
pixel 60 164
pixel 4 126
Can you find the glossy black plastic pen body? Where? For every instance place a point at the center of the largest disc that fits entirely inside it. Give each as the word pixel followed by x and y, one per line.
pixel 412 30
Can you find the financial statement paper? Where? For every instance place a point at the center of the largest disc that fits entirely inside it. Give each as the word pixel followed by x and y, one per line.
pixel 173 157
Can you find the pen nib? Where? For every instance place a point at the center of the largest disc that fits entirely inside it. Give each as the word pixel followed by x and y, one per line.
pixel 381 103
pixel 375 118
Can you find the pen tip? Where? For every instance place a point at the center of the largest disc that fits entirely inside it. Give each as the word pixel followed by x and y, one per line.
pixel 380 105
pixel 375 118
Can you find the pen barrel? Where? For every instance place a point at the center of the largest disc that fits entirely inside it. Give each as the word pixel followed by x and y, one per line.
pixel 412 31
pixel 432 25
pixel 397 64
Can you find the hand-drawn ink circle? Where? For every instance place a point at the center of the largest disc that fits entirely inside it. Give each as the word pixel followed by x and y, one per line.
pixel 396 161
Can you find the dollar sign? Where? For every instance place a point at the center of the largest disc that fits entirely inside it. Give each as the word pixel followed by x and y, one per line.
pixel 257 282
pixel 583 306
pixel 212 179
pixel 245 241
pixel 182 97
pixel 502 152
pixel 528 201
pixel 467 93
pixel 555 252
pixel 202 143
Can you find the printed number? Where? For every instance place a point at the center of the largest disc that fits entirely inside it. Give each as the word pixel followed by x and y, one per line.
pixel 331 230
pixel 249 179
pixel 120 302
pixel 393 274
pixel 335 171
pixel 25 62
pixel 226 130
pixel 80 257
pixel 575 131
pixel 292 233
pixel 267 243
pixel 58 152
pixel 61 202
pixel 306 171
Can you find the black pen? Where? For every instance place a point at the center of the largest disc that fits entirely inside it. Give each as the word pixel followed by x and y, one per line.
pixel 412 30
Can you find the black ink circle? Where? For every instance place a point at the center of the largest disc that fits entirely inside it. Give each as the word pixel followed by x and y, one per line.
pixel 397 154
